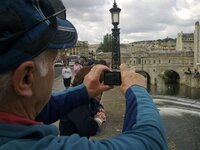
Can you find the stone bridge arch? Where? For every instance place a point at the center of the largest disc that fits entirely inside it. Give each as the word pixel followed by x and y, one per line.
pixel 155 73
pixel 170 76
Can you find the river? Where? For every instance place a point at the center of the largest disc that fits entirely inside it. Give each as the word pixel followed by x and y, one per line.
pixel 179 106
pixel 176 90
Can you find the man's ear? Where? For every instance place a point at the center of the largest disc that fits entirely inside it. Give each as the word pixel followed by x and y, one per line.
pixel 23 77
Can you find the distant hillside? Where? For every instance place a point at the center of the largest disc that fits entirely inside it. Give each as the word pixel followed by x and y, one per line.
pixel 167 42
pixel 155 41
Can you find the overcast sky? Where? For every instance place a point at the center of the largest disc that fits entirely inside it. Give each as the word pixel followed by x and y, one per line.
pixel 139 19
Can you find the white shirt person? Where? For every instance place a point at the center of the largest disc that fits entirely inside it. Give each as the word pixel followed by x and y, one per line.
pixel 67 75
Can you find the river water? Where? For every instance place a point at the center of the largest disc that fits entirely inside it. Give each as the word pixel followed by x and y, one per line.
pixel 176 90
pixel 179 106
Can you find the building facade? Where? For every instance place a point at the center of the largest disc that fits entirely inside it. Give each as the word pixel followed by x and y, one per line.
pixel 196 47
pixel 185 42
pixel 81 49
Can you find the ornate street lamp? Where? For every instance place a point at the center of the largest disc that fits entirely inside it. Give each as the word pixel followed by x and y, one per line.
pixel 115 11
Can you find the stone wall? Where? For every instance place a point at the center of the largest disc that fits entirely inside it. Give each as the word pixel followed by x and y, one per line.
pixel 192 81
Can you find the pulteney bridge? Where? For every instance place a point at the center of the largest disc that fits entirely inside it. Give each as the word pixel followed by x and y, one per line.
pixel 156 63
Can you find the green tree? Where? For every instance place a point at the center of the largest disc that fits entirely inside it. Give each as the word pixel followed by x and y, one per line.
pixel 106 45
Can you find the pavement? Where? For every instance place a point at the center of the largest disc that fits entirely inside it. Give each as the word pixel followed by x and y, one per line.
pixel 58 84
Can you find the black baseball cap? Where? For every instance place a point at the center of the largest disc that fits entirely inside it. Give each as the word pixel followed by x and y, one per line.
pixel 28 27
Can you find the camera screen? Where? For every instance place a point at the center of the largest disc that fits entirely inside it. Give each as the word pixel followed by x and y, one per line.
pixel 112 78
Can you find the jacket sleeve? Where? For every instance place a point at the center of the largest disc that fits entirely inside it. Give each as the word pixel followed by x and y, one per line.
pixel 142 118
pixel 63 102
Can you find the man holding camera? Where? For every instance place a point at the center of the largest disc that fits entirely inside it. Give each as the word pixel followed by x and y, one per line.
pixel 31 33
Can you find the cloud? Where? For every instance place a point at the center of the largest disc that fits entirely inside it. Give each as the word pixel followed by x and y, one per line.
pixel 139 19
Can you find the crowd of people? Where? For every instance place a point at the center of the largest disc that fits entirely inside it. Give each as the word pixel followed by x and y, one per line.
pixel 32 33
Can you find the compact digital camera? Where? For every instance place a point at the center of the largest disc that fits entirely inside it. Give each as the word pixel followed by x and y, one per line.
pixel 112 78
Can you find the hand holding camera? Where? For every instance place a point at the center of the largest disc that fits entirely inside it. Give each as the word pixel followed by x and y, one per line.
pixel 126 77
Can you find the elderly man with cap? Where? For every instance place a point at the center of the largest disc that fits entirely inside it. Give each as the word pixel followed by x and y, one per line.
pixel 31 33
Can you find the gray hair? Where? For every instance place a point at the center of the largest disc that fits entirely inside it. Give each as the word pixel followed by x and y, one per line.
pixel 41 63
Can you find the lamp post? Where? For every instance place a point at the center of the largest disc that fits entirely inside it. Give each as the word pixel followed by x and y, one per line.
pixel 115 11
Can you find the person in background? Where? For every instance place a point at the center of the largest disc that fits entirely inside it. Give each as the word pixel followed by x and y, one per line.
pixel 31 34
pixel 90 62
pixel 83 61
pixel 84 120
pixel 67 75
pixel 77 66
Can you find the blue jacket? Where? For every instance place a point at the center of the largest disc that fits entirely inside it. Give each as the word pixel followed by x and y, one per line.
pixel 143 129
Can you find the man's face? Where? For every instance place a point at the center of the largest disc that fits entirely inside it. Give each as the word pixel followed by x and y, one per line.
pixel 43 84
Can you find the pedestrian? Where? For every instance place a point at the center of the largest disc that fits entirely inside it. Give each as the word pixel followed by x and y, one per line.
pixel 31 34
pixel 77 66
pixel 84 120
pixel 67 75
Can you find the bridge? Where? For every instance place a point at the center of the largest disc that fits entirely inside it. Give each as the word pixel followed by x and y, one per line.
pixel 155 64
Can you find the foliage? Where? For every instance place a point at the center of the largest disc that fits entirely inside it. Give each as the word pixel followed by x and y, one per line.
pixel 163 42
pixel 106 45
